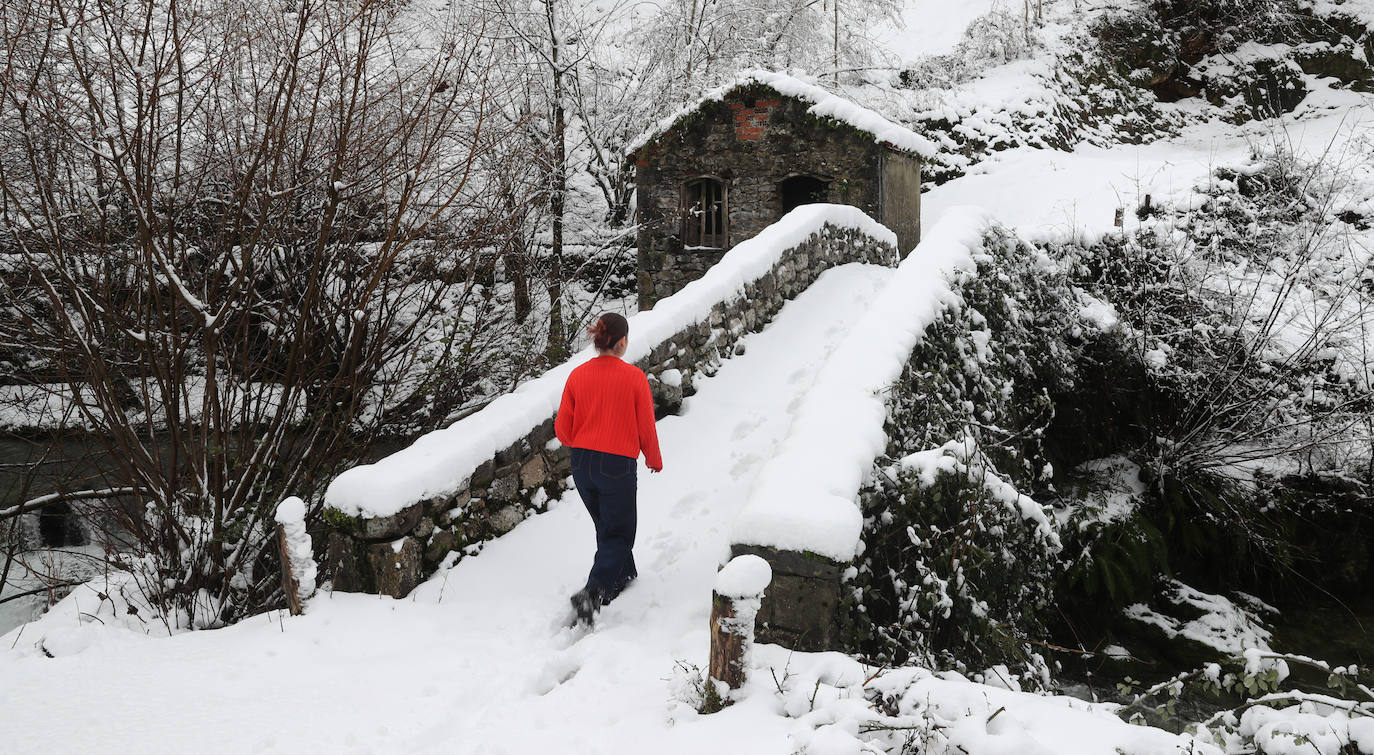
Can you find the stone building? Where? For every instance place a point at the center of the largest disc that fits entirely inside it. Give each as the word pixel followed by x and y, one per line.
pixel 721 170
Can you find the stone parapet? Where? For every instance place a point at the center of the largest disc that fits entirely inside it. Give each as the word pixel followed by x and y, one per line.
pixel 391 554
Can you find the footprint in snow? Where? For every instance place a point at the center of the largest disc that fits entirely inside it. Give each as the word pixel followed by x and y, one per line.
pixel 555 673
pixel 743 464
pixel 751 422
pixel 687 505
pixel 668 554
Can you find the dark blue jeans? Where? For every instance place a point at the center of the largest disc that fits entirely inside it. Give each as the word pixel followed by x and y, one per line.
pixel 607 484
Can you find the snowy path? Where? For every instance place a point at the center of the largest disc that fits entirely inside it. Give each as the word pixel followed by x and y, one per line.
pixel 472 661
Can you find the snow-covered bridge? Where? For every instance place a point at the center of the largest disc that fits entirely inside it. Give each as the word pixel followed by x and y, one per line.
pixel 428 506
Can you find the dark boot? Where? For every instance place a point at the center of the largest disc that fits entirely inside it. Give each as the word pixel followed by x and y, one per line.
pixel 586 602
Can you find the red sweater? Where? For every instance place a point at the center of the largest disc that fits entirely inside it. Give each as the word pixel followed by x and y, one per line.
pixel 607 407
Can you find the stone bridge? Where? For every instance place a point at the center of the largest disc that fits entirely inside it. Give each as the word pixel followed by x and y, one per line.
pixel 394 522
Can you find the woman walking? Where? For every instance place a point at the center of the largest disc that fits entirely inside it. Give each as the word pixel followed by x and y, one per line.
pixel 605 419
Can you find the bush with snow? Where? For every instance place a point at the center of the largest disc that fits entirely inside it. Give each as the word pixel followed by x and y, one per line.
pixel 959 562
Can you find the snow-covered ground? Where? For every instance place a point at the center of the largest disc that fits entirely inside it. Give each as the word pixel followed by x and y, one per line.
pixel 1051 194
pixel 475 660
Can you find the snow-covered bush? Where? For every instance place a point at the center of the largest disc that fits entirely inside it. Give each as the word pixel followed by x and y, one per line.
pixel 1246 308
pixel 1227 418
pixel 959 563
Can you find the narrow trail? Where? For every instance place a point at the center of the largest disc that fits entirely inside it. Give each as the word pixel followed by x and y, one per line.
pixel 476 660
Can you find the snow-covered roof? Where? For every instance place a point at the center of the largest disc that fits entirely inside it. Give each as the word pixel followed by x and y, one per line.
pixel 823 103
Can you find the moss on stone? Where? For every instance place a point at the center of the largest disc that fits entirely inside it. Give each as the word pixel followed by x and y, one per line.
pixel 341 521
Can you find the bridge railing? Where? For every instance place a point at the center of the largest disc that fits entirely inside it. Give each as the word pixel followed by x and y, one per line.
pixel 803 515
pixel 394 521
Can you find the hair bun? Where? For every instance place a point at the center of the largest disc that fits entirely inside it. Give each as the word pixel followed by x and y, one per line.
pixel 608 330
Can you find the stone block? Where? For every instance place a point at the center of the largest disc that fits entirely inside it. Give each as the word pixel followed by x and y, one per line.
pixel 343 564
pixel 505 519
pixel 507 485
pixel 667 398
pixel 448 517
pixel 395 567
pixel 687 388
pixel 560 464
pixel 514 453
pixel 439 504
pixel 542 434
pixel 391 527
pixel 801 609
pixel 768 286
pixel 483 475
pixel 533 473
pixel 424 529
pixel 441 544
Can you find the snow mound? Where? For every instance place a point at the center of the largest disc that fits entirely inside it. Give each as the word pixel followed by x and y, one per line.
pixel 438 463
pixel 744 577
pixel 804 499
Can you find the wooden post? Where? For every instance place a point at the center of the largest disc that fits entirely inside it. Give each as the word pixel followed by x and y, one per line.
pixel 289 585
pixel 727 642
pixel 734 604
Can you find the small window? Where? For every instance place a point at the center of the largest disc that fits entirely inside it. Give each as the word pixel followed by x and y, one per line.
pixel 705 220
pixel 58 526
pixel 799 190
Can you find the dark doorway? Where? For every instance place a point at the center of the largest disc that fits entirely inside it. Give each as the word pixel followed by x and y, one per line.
pixel 59 526
pixel 799 190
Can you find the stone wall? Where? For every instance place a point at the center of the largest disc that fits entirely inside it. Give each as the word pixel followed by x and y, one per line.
pixel 391 555
pixel 803 607
pixel 751 141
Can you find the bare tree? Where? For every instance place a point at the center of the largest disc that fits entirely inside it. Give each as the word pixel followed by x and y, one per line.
pixel 232 229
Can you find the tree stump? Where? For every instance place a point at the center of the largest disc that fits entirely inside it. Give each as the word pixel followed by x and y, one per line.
pixel 289 585
pixel 297 555
pixel 734 604
pixel 727 642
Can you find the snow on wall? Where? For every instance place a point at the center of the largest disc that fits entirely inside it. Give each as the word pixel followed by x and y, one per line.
pixel 440 462
pixel 823 104
pixel 805 497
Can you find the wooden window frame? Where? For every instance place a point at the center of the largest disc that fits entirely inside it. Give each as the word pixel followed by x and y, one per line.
pixel 699 229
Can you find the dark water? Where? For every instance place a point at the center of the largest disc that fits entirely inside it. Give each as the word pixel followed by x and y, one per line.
pixel 1340 633
pixel 34 466
pixel 30 467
